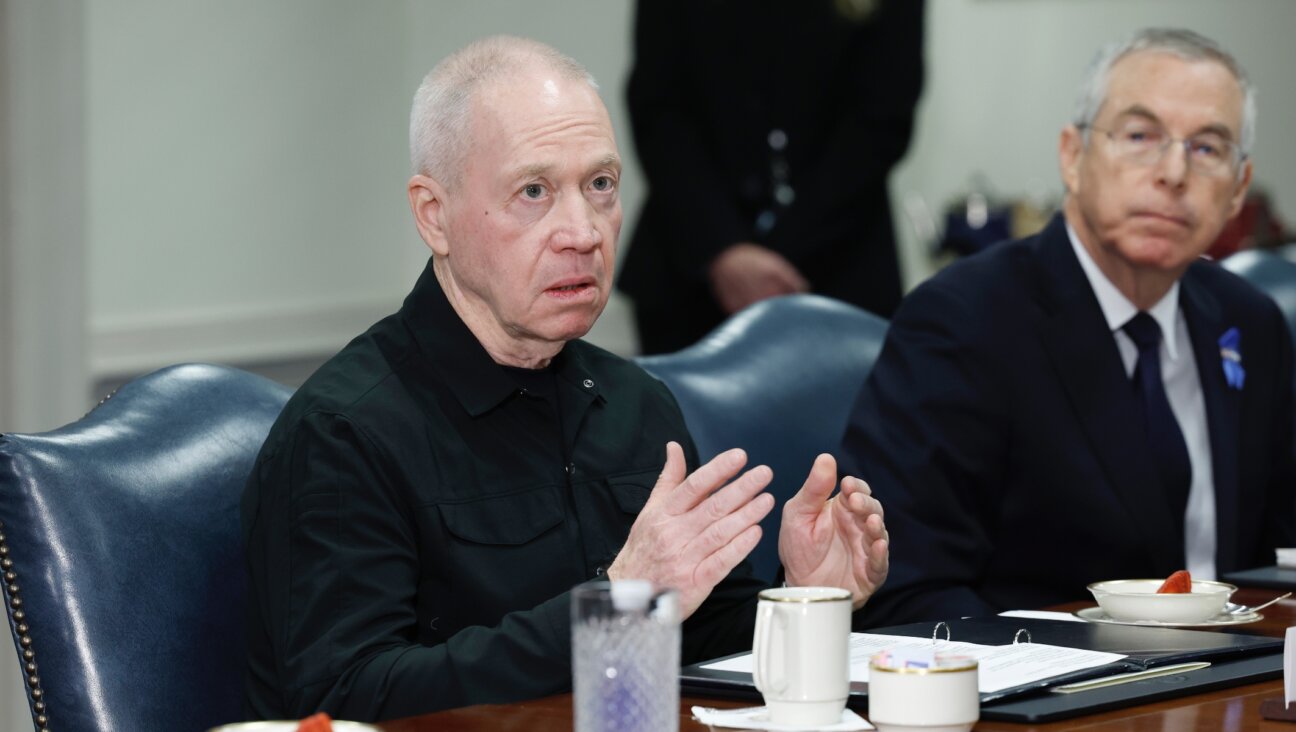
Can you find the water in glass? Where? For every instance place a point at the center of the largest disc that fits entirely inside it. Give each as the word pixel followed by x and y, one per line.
pixel 625 659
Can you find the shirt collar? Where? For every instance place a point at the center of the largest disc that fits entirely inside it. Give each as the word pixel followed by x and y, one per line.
pixel 1117 309
pixel 468 371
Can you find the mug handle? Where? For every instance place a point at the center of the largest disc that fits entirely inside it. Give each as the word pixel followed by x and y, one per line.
pixel 763 649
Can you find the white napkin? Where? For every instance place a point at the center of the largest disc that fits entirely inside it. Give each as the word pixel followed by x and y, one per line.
pixel 1289 669
pixel 758 718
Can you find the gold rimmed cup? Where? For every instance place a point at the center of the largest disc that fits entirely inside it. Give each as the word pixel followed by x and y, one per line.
pixel 943 696
pixel 804 594
pixel 941 665
pixel 801 654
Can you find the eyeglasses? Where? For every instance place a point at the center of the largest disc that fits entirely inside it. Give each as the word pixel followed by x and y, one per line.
pixel 1144 143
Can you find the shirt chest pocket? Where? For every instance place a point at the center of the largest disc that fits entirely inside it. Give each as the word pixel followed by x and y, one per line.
pixel 608 507
pixel 509 520
pixel 505 552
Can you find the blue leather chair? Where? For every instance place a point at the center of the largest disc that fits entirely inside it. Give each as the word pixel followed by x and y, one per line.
pixel 778 380
pixel 1270 273
pixel 120 548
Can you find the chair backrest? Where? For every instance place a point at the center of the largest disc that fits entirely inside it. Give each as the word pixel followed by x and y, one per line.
pixel 1271 274
pixel 778 380
pixel 119 540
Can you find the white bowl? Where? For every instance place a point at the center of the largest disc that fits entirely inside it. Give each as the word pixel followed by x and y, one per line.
pixel 1138 600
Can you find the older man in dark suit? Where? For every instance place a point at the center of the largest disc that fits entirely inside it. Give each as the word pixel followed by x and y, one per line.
pixel 1096 401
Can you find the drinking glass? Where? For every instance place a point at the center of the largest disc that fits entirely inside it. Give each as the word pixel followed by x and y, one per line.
pixel 625 657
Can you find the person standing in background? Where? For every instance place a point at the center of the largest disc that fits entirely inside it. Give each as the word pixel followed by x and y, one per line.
pixel 766 131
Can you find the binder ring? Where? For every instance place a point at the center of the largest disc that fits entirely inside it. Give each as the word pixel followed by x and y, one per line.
pixel 1017 636
pixel 936 630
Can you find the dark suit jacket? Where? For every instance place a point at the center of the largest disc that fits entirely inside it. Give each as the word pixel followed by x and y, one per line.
pixel 711 80
pixel 1000 432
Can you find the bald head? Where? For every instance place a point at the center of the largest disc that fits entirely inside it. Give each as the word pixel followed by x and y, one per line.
pixel 441 117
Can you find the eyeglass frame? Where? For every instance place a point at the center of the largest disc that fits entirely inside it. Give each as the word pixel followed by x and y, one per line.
pixel 1238 157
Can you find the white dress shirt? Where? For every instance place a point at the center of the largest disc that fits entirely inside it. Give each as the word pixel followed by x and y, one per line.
pixel 1183 389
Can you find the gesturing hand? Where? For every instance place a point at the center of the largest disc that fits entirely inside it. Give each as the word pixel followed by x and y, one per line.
pixel 840 542
pixel 694 529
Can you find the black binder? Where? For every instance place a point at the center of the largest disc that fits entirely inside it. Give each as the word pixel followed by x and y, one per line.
pixel 1235 659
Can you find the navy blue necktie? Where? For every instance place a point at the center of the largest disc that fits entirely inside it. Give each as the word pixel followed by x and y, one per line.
pixel 1168 446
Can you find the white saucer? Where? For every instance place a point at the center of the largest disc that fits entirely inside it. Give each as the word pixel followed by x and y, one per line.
pixel 1096 615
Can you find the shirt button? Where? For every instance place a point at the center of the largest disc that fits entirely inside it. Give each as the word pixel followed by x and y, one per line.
pixel 570 468
pixel 589 383
pixel 784 194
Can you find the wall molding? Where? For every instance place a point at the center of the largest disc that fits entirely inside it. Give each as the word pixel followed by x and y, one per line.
pixel 129 346
pixel 268 334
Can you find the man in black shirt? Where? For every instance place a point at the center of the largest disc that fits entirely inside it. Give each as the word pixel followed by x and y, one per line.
pixel 426 501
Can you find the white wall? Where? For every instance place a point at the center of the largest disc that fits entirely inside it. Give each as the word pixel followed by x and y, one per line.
pixel 42 272
pixel 247 171
pixel 247 164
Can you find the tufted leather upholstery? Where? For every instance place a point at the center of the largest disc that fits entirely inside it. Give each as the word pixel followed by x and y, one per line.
pixel 122 534
pixel 778 380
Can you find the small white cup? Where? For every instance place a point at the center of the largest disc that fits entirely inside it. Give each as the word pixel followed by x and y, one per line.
pixel 801 652
pixel 942 698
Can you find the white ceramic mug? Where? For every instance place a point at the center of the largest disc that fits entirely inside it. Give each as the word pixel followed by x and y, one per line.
pixel 801 652
pixel 942 698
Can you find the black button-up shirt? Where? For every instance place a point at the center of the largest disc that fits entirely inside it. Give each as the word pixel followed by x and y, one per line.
pixel 418 515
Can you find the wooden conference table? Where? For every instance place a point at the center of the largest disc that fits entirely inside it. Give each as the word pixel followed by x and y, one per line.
pixel 1228 710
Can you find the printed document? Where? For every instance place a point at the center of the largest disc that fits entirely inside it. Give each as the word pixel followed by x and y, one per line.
pixel 999 667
